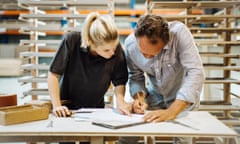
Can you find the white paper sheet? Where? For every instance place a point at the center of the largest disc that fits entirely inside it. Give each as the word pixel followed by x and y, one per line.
pixel 107 115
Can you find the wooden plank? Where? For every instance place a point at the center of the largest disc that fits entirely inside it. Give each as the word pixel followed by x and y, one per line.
pixel 35 67
pixel 117 12
pixel 52 17
pixel 28 3
pixel 160 5
pixel 214 18
pixel 221 81
pixel 206 35
pixel 44 91
pixel 216 42
pixel 26 42
pixel 55 32
pixel 231 122
pixel 217 54
pixel 217 4
pixel 193 4
pixel 30 79
pixel 37 54
pixel 39 91
pixel 213 67
pixel 48 28
pixel 89 4
pixel 218 107
pixel 196 18
pixel 213 29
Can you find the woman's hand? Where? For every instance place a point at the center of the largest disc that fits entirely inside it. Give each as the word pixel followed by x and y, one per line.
pixel 61 111
pixel 124 108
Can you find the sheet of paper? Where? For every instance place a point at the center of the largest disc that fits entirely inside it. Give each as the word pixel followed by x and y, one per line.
pixel 107 115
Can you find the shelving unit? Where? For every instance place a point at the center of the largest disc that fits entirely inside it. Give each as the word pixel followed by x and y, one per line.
pixel 214 36
pixel 39 23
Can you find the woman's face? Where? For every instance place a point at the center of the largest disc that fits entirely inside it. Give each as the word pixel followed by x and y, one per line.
pixel 106 50
pixel 148 49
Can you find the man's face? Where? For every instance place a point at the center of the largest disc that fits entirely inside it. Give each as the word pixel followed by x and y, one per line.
pixel 148 49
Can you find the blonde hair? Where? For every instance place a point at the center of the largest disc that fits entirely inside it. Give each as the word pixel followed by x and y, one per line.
pixel 98 29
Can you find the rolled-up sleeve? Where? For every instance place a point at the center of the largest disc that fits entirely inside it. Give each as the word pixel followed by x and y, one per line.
pixel 192 64
pixel 136 75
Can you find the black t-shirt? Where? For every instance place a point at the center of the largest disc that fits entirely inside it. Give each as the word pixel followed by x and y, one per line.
pixel 85 78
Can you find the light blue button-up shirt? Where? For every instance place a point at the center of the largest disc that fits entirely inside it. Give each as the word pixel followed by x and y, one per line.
pixel 176 72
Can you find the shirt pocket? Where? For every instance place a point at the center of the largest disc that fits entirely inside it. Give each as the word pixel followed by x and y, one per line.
pixel 170 71
pixel 172 66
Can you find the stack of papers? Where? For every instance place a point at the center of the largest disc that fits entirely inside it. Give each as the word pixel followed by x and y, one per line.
pixel 108 118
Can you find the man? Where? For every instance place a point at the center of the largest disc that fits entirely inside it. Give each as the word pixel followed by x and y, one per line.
pixel 166 73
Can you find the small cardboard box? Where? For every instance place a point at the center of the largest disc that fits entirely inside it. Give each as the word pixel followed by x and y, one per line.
pixel 21 114
pixel 8 100
pixel 41 103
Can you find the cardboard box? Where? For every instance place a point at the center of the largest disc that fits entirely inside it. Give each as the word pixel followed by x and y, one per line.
pixel 8 100
pixel 21 114
pixel 41 103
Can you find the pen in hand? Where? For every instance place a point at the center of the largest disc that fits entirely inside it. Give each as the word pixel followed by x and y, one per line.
pixel 139 104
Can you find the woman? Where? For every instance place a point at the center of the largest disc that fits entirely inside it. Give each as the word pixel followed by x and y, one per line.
pixel 85 65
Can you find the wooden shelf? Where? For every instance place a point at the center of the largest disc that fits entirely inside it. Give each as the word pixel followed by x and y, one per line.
pixel 39 22
pixel 62 30
pixel 35 42
pixel 193 18
pixel 30 79
pixel 217 54
pixel 220 81
pixel 35 67
pixel 51 17
pixel 194 4
pixel 66 3
pixel 212 67
pixel 219 107
pixel 214 29
pixel 216 40
pixel 190 12
pixel 196 19
pixel 36 54
pixel 172 5
pixel 217 4
pixel 117 12
pixel 231 122
pixel 36 91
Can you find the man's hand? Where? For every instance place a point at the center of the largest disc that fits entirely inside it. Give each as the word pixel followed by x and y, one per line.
pixel 159 116
pixel 166 114
pixel 139 105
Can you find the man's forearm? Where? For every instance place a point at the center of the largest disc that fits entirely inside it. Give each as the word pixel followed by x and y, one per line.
pixel 177 107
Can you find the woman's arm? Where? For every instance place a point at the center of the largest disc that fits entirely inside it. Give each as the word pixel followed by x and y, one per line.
pixel 54 92
pixel 122 106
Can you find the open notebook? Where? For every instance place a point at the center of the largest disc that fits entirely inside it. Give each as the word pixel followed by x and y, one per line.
pixel 117 124
pixel 110 118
